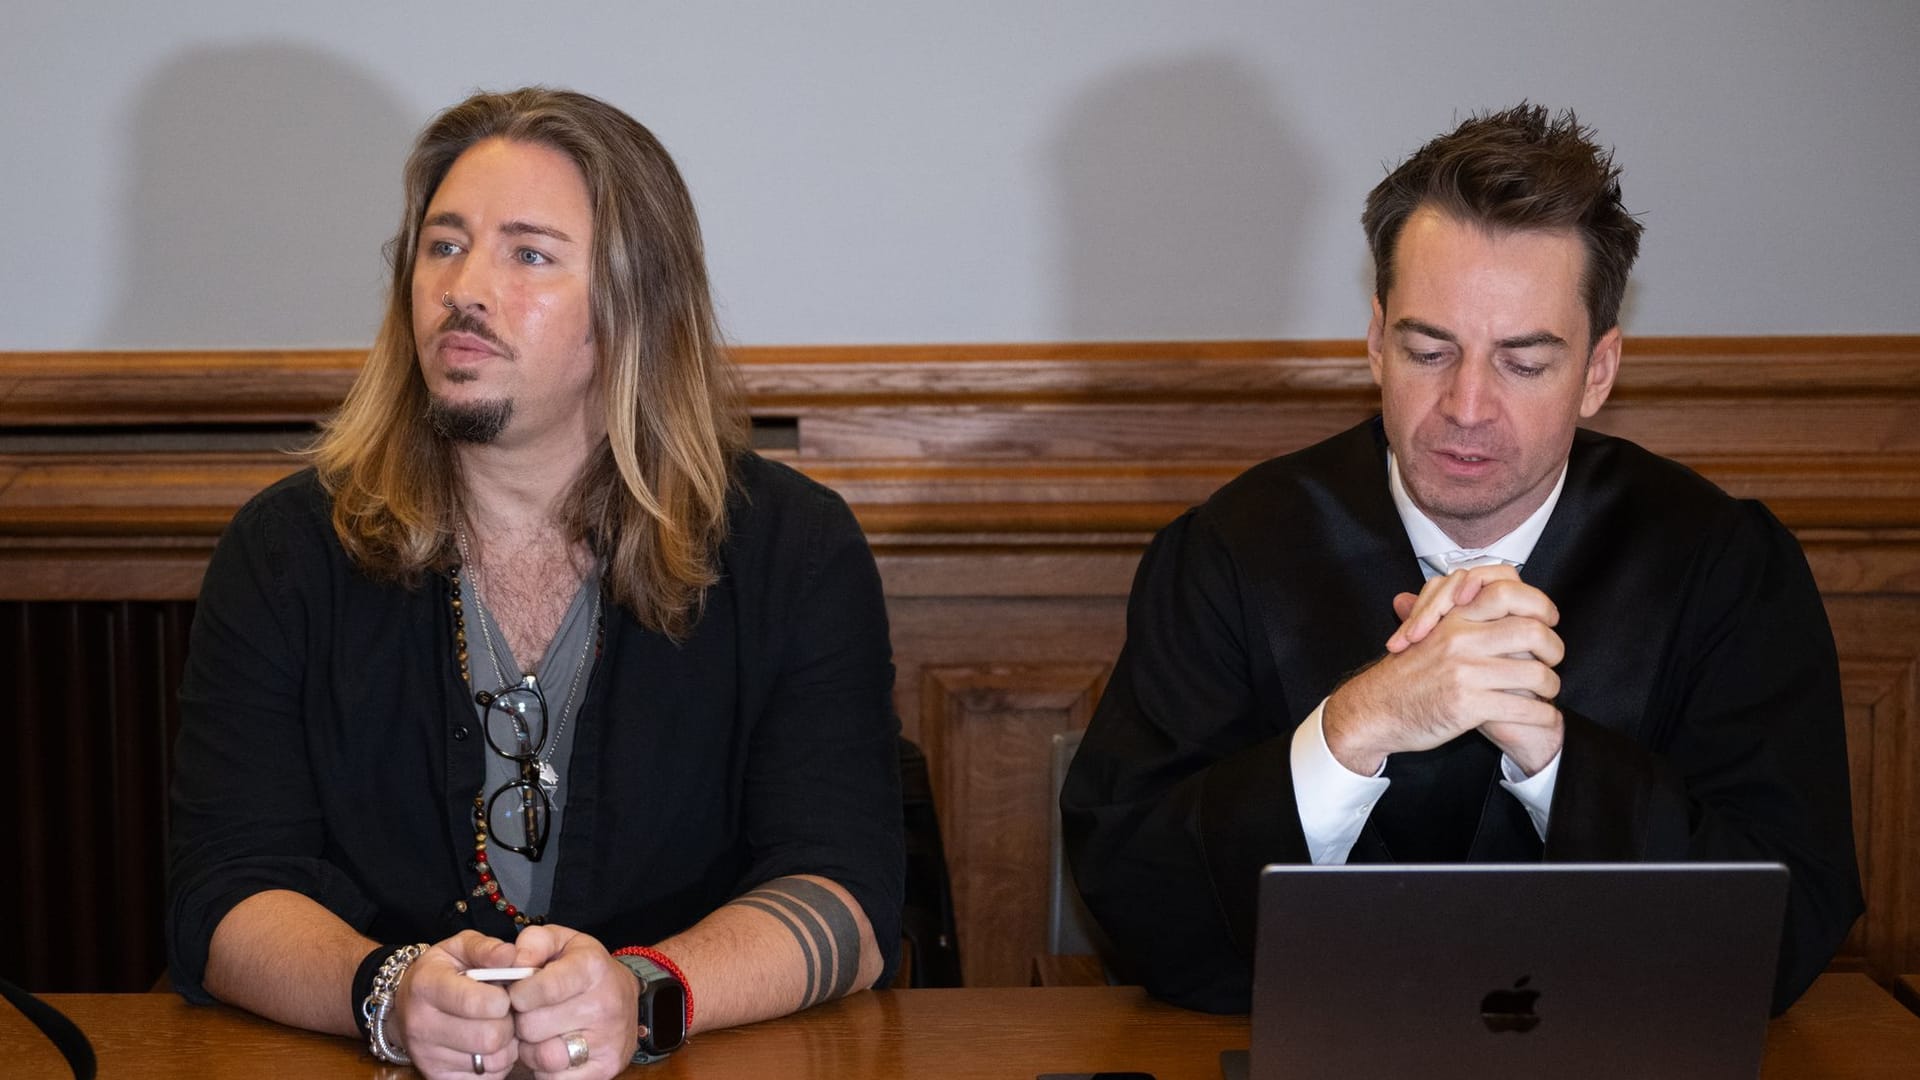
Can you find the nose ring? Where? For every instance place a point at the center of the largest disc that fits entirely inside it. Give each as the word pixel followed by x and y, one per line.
pixel 446 301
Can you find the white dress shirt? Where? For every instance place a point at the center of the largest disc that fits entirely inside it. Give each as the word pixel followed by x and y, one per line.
pixel 1333 801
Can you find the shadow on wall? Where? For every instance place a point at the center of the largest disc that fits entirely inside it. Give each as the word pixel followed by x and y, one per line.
pixel 1184 198
pixel 262 183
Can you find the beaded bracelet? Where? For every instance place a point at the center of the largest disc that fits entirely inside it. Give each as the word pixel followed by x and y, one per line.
pixel 380 1001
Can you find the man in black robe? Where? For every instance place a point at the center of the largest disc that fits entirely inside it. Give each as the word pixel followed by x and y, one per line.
pixel 1466 630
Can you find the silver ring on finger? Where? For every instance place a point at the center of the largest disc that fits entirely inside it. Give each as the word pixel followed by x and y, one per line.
pixel 479 1064
pixel 576 1049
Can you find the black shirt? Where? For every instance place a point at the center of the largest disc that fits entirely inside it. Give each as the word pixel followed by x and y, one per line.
pixel 329 747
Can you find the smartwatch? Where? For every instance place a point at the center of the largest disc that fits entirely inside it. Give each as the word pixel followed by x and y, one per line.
pixel 663 1008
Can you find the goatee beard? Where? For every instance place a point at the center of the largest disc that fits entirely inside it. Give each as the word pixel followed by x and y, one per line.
pixel 478 422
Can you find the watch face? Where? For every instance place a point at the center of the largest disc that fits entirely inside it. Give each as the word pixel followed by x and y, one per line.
pixel 664 1009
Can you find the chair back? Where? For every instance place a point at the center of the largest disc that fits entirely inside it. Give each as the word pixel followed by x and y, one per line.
pixel 1070 926
pixel 926 919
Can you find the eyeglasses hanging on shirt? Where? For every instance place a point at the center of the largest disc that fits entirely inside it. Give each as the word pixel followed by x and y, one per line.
pixel 516 730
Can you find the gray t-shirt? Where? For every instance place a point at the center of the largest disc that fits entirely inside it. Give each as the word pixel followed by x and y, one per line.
pixel 529 885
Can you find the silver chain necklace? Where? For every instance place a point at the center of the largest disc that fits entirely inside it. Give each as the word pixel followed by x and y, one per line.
pixel 549 776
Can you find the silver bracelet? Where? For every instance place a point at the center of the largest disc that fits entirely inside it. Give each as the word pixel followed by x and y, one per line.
pixel 385 984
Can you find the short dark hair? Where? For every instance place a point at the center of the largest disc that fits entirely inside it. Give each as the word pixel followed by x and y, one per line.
pixel 1522 168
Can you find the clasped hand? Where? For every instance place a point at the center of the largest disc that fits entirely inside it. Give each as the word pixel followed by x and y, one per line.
pixel 444 1018
pixel 1475 649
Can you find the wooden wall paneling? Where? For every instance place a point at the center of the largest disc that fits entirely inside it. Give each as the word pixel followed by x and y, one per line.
pixel 1008 491
pixel 1688 428
pixel 988 728
pixel 145 571
pixel 1247 432
pixel 80 494
pixel 1083 629
pixel 1179 429
pixel 38 389
pixel 1878 636
pixel 94 526
pixel 1034 632
pixel 1881 710
pixel 1863 561
pixel 41 389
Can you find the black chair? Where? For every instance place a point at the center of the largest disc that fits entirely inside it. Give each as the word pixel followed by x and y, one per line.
pixel 926 920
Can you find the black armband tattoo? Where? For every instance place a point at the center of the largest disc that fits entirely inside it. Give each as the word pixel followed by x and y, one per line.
pixel 822 925
pixel 808 950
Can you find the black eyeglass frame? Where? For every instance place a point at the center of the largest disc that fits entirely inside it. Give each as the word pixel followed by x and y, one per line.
pixel 533 797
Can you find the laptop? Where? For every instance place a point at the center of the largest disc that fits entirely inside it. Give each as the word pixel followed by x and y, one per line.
pixel 1498 970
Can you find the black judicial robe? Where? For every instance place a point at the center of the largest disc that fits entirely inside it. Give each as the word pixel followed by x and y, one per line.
pixel 1700 689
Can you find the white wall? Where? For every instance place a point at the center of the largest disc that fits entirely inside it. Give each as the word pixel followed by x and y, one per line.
pixel 223 173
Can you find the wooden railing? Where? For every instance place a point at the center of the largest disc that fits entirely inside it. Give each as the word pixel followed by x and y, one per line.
pixel 1007 491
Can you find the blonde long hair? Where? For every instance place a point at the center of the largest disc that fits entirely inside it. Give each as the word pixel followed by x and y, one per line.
pixel 652 500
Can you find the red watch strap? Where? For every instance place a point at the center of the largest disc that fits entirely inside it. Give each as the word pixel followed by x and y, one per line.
pixel 660 958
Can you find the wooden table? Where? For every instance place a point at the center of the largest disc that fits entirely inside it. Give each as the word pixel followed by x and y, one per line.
pixel 1845 1026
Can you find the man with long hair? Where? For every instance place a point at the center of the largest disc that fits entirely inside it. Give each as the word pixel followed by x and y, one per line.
pixel 538 666
pixel 1466 630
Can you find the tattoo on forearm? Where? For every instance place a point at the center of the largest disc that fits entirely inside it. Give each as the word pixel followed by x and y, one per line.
pixel 807 948
pixel 822 925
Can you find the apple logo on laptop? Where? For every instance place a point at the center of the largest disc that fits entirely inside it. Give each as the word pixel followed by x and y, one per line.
pixel 1511 1010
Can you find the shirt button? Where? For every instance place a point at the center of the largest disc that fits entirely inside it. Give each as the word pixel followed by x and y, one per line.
pixel 460 733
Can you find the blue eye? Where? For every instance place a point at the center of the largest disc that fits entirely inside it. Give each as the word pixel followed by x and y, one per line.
pixel 531 257
pixel 442 248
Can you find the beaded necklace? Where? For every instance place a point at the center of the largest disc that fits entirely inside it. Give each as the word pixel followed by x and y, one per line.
pixel 487 889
